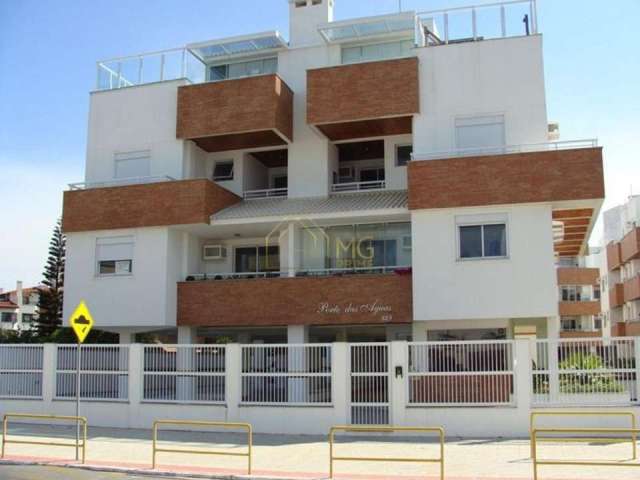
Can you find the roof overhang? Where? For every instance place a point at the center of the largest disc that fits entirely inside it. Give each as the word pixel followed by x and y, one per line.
pixel 370 28
pixel 257 44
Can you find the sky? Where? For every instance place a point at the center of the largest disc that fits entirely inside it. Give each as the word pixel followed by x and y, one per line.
pixel 49 49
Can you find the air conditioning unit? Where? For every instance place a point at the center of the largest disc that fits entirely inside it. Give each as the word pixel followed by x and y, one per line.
pixel 214 252
pixel 553 131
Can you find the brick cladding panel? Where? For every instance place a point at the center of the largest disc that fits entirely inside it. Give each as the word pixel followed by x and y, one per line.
pixel 294 301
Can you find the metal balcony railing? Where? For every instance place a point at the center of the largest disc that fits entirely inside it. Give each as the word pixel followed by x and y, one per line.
pixel 265 193
pixel 120 182
pixel 358 186
pixel 507 149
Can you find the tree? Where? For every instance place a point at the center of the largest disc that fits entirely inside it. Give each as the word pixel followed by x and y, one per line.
pixel 50 302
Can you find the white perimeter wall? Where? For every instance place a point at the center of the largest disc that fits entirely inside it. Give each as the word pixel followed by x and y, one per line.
pixel 492 77
pixel 132 119
pixel 146 298
pixel 520 286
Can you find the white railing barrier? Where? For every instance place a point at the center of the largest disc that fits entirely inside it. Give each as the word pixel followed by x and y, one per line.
pixel 461 373
pixel 480 22
pixel 506 149
pixel 184 374
pixel 286 374
pixel 21 371
pixel 265 193
pixel 120 182
pixel 104 372
pixel 585 372
pixel 358 186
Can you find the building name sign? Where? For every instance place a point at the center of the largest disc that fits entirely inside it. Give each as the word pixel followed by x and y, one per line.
pixel 375 308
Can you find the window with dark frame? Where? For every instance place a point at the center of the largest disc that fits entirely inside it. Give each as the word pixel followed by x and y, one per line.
pixel 223 170
pixel 403 155
pixel 115 267
pixel 483 241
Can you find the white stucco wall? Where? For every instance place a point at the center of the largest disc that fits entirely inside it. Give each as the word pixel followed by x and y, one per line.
pixel 146 298
pixel 491 77
pixel 133 119
pixel 520 286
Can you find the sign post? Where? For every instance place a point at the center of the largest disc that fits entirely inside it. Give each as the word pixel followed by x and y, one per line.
pixel 81 321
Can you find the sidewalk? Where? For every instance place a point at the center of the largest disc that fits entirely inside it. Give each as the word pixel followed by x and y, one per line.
pixel 306 457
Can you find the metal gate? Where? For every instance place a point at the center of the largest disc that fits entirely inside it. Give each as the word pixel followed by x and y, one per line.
pixel 369 375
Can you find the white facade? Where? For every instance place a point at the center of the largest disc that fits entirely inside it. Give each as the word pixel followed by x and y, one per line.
pixel 472 94
pixel 18 308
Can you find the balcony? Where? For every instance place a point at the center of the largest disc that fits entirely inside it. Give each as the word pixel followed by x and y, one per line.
pixel 632 289
pixel 106 206
pixel 630 246
pixel 551 172
pixel 580 333
pixel 577 276
pixel 362 100
pixel 252 112
pixel 579 308
pixel 616 295
pixel 347 299
pixel 614 256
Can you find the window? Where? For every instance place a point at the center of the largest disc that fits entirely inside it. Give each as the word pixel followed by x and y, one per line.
pixel 257 259
pixel 243 69
pixel 403 155
pixel 281 181
pixel 372 175
pixel 596 292
pixel 223 170
pixel 114 256
pixel 480 132
pixel 133 164
pixel 27 318
pixel 376 51
pixel 8 317
pixel 483 241
pixel 356 246
pixel 569 323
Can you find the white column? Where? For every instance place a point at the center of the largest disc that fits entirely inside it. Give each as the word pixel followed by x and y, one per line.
pixel 184 362
pixel 291 250
pixel 233 381
pixel 49 363
pixel 637 351
pixel 340 383
pixel 523 375
pixel 136 375
pixel 125 337
pixel 553 333
pixel 398 382
pixel 20 303
pixel 297 360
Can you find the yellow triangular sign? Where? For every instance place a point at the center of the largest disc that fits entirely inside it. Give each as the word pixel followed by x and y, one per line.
pixel 81 321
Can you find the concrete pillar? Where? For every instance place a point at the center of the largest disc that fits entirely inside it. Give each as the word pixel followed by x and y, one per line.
pixel 523 377
pixel 136 375
pixel 297 388
pixel 637 353
pixel 340 383
pixel 553 332
pixel 125 337
pixel 49 364
pixel 419 331
pixel 399 367
pixel 185 362
pixel 292 261
pixel 233 381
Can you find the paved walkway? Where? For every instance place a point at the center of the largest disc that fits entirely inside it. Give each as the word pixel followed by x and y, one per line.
pixel 306 457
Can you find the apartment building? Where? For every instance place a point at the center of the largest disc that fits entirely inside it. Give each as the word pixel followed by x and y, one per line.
pixel 368 179
pixel 18 308
pixel 579 296
pixel 620 271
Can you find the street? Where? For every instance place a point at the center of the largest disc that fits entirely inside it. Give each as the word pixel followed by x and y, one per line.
pixel 21 472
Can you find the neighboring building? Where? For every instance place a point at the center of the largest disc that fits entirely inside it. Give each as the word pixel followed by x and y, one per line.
pixel 368 179
pixel 19 308
pixel 579 295
pixel 621 267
